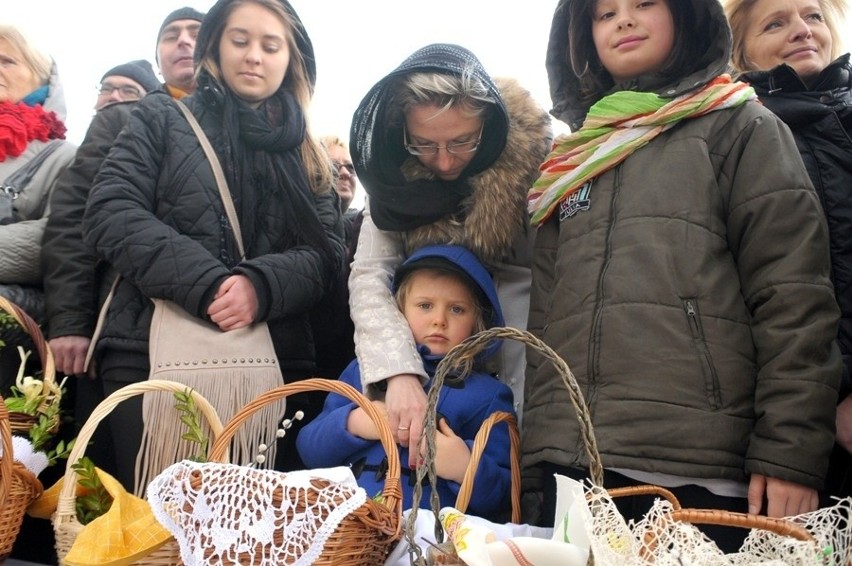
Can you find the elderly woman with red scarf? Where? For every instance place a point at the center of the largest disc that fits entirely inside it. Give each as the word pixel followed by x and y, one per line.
pixel 33 152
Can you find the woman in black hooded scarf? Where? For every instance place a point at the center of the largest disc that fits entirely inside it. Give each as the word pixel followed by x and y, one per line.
pixel 446 155
pixel 156 215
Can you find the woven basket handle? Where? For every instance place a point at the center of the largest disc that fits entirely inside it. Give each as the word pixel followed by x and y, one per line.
pixel 8 458
pixel 637 490
pixel 458 361
pixel 462 355
pixel 392 493
pixel 67 495
pixel 780 527
pixel 45 355
pixel 466 488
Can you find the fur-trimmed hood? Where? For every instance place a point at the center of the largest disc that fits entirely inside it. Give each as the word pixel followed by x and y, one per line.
pixel 496 210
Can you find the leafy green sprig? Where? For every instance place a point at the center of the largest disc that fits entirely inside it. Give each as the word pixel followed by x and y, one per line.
pixel 190 416
pixel 97 500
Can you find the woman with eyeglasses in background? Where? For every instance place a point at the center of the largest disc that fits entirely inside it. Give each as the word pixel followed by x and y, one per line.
pixel 446 155
pixel 332 326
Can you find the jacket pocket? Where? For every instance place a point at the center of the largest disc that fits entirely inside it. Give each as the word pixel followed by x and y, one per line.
pixel 708 370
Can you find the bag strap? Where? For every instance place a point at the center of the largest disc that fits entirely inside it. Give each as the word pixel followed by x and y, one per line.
pixel 218 173
pixel 15 183
pixel 230 211
pixel 99 326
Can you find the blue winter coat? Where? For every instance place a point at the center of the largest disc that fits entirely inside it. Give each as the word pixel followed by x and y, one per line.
pixel 325 442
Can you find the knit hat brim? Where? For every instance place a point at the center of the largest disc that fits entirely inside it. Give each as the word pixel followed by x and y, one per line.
pixel 185 13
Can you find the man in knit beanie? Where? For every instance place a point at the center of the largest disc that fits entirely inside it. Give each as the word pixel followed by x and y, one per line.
pixel 73 278
pixel 128 81
pixel 175 47
pixel 71 287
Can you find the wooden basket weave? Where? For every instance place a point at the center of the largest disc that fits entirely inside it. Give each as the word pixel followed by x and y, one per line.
pixel 366 536
pixel 18 488
pixel 21 422
pixel 466 487
pixel 66 527
pixel 462 355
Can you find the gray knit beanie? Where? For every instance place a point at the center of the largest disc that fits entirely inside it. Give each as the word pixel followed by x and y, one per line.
pixel 185 13
pixel 139 70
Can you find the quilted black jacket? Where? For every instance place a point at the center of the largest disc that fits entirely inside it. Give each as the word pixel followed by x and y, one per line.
pixel 155 214
pixel 820 118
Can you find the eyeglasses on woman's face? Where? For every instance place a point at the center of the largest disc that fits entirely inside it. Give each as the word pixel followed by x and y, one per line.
pixel 431 149
pixel 344 165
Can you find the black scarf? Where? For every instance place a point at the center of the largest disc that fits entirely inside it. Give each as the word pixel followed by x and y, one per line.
pixel 378 151
pixel 262 163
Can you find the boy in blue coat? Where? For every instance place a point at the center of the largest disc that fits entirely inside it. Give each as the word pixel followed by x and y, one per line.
pixel 445 295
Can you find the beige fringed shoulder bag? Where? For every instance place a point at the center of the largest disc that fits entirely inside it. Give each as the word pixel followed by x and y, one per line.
pixel 230 369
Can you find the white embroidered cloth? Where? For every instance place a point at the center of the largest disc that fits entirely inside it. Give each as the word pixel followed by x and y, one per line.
pixel 229 514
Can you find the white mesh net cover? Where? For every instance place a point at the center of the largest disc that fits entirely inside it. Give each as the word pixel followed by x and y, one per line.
pixel 229 514
pixel 658 539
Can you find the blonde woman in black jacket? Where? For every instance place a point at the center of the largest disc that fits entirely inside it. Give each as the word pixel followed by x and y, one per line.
pixel 790 54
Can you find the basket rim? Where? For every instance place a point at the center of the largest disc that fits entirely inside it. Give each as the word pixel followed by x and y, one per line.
pixel 392 494
pixel 9 466
pixel 32 328
pixel 8 458
pixel 65 511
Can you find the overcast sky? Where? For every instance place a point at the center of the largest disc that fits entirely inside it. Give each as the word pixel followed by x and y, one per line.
pixel 356 42
pixel 355 45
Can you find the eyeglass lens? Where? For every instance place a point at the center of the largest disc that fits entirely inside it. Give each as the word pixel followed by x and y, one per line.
pixel 126 90
pixel 453 148
pixel 348 166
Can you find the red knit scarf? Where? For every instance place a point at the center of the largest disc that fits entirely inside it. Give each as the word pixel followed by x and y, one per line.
pixel 20 124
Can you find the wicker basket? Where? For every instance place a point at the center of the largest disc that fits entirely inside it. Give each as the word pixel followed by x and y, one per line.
pixel 21 422
pixel 364 537
pixel 466 487
pixel 460 357
pixel 18 488
pixel 66 527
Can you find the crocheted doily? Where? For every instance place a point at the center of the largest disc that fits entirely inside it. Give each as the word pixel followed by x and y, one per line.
pixel 229 514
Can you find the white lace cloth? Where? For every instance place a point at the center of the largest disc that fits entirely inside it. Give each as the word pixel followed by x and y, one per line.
pixel 229 514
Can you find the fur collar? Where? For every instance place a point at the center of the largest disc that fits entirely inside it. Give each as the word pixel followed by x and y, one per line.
pixel 497 208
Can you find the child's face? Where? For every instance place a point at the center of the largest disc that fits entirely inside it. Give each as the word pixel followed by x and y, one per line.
pixel 632 37
pixel 788 31
pixel 440 309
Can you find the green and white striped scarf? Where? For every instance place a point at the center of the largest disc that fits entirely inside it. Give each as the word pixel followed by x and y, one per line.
pixel 616 126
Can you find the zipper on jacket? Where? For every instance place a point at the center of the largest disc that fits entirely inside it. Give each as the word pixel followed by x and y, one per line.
pixel 711 378
pixel 594 332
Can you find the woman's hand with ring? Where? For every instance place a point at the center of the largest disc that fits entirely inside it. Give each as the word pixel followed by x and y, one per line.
pixel 406 406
